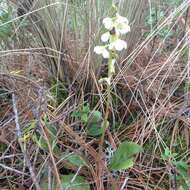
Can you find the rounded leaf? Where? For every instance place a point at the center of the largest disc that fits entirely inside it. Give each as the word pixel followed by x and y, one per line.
pixel 95 117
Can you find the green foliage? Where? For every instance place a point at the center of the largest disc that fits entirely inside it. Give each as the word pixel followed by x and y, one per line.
pixel 52 138
pixel 82 114
pixel 95 130
pixel 187 86
pixel 154 18
pixel 123 157
pixel 95 117
pixel 168 154
pixel 95 124
pixel 182 172
pixel 3 147
pixel 5 17
pixel 69 182
pixel 173 2
pixel 28 130
pixel 58 92
pixel 76 160
pixel 72 182
pixel 92 120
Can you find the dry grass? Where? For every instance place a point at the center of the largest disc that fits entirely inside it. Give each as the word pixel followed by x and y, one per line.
pixel 150 95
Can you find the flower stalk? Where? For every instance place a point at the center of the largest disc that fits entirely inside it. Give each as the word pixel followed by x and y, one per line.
pixel 115 28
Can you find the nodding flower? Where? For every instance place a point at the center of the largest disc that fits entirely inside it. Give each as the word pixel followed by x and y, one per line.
pixel 116 27
pixel 101 50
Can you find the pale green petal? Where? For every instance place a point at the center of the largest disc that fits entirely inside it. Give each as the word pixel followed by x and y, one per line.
pixel 120 45
pixel 105 54
pixel 105 37
pixel 99 49
pixel 124 29
pixel 121 19
pixel 108 23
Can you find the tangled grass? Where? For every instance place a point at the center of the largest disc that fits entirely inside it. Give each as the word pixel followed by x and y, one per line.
pixel 49 71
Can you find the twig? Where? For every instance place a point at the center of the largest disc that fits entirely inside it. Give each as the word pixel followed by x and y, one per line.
pixel 12 169
pixel 9 156
pixel 45 133
pixel 49 178
pixel 124 183
pixel 19 136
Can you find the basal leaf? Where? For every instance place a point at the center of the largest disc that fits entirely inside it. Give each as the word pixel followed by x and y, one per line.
pixel 94 130
pixel 68 182
pixel 76 160
pixel 84 118
pixel 123 165
pixel 123 156
pixel 95 117
pixel 72 182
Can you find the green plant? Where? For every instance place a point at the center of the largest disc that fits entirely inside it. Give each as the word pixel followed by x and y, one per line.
pixel 173 2
pixel 154 18
pixel 116 26
pixel 123 157
pixel 180 170
pixel 58 93
pixel 75 159
pixel 52 137
pixel 91 119
pixel 6 26
pixel 68 182
pixel 82 114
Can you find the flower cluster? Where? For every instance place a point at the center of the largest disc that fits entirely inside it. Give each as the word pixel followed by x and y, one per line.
pixel 116 27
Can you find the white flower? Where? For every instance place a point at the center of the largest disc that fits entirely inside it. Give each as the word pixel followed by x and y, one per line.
pixel 120 19
pixel 123 28
pixel 122 24
pixel 116 26
pixel 101 50
pixel 105 54
pixel 118 45
pixel 108 23
pixel 106 79
pixel 105 37
pixel 98 49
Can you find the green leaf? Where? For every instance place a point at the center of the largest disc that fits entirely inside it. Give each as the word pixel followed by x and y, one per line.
pixel 86 109
pixel 84 118
pixel 76 114
pixel 181 188
pixel 95 117
pixel 94 130
pixel 123 156
pixel 72 182
pixel 123 165
pixel 167 154
pixel 182 167
pixel 76 160
pixel 82 114
pixel 40 141
pixel 69 182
